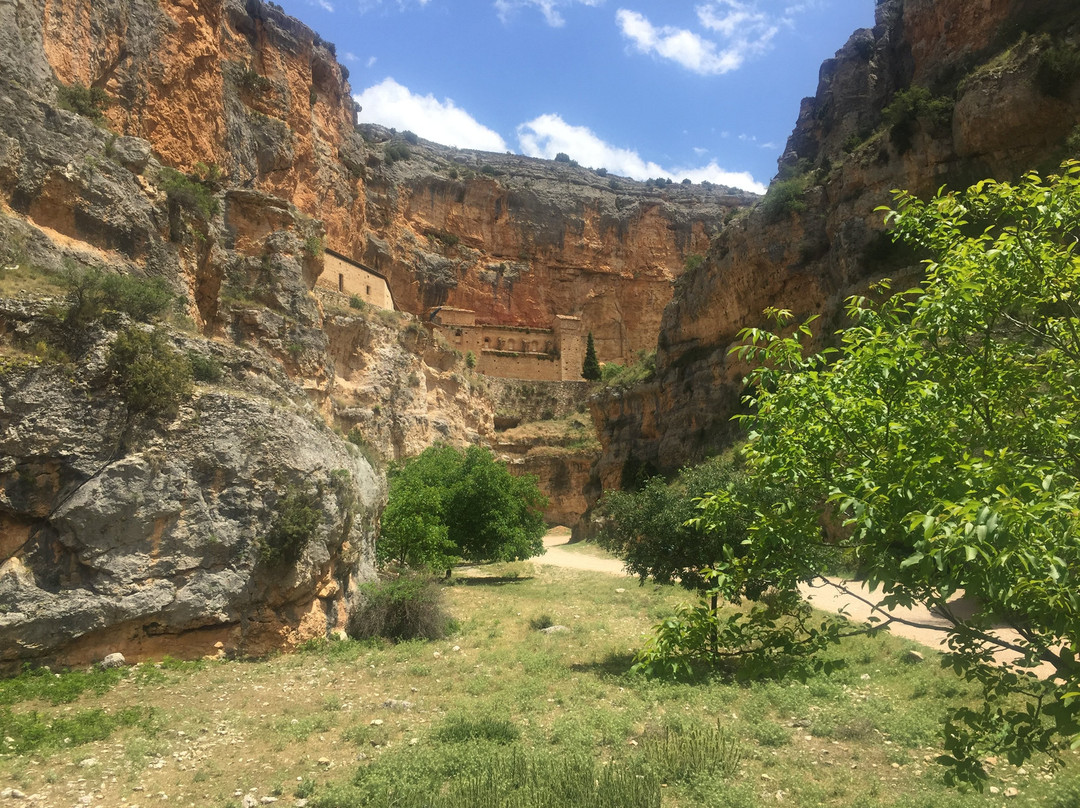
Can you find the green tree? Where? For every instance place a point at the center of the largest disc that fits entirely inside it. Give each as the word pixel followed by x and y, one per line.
pixel 590 370
pixel 940 438
pixel 446 505
pixel 150 375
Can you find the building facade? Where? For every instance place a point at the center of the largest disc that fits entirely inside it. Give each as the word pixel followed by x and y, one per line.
pixel 348 277
pixel 516 352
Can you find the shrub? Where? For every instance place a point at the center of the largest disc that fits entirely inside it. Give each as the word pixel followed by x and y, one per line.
pixel 409 607
pixel 314 246
pixel 562 157
pixel 251 81
pixel 396 152
pixel 188 193
pixel 151 376
pixel 784 198
pixel 91 293
pixel 602 172
pixel 540 622
pixel 910 106
pixel 205 368
pixel 410 137
pixel 90 102
pixel 356 302
pixel 296 517
pixel 1058 70
pixel 470 360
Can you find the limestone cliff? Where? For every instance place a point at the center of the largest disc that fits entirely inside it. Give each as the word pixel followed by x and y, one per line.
pixel 520 240
pixel 243 86
pixel 971 91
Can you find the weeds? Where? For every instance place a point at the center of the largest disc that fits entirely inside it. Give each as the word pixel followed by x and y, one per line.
pixel 40 684
pixel 30 731
pixel 403 608
pixel 683 756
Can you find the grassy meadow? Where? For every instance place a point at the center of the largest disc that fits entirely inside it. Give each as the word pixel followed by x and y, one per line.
pixel 326 726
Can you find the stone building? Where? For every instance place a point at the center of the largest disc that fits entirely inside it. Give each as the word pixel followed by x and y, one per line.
pixel 341 274
pixel 516 352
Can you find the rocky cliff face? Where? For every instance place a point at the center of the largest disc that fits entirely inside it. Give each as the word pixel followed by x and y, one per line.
pixel 125 532
pixel 245 87
pixel 520 240
pixel 990 105
pixel 223 164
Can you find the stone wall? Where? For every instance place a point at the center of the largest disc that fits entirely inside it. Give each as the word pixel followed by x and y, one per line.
pixel 344 276
pixel 515 352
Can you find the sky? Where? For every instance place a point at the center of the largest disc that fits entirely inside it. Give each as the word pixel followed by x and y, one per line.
pixel 685 89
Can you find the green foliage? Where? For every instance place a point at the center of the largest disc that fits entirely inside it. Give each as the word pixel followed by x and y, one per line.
pixel 622 377
pixel 1058 70
pixel 654 532
pixel 1072 144
pixel 693 262
pixel 190 194
pixel 940 434
pixel 396 152
pixel 297 515
pixel 910 107
pixel 30 731
pixel 470 360
pixel 41 684
pixel 590 370
pixel 410 137
pixel 562 157
pixel 91 293
pixel 464 728
pixel 314 246
pixel 679 757
pixel 90 102
pixel 485 775
pixel 785 197
pixel 408 607
pixel 254 83
pixel 151 376
pixel 356 302
pixel 205 368
pixel 447 504
pixel 540 622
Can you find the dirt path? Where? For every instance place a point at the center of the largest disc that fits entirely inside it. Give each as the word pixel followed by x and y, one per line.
pixel 856 602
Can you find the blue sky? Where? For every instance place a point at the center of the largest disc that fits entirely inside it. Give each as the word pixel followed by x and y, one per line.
pixel 705 89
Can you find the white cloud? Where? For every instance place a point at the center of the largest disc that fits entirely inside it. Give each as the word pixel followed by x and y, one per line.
pixel 733 31
pixel 390 104
pixel 549 8
pixel 548 135
pixel 679 45
pixel 325 6
pixel 371 61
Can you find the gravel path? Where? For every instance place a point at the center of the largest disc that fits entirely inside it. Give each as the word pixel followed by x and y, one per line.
pixel 853 597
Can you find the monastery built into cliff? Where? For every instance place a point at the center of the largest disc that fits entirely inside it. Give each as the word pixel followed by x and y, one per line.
pixel 553 354
pixel 348 277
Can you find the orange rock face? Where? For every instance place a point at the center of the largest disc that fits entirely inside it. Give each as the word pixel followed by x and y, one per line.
pixel 205 81
pixel 845 159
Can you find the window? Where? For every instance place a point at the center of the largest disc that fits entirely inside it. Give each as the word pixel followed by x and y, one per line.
pixel 367 290
pixel 341 282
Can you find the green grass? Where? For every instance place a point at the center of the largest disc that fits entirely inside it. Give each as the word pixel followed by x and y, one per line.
pixel 41 684
pixel 498 704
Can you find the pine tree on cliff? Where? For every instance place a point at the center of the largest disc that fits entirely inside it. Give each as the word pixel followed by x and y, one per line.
pixel 591 369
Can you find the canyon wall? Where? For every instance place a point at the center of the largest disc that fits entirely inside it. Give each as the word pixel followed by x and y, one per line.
pixel 990 109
